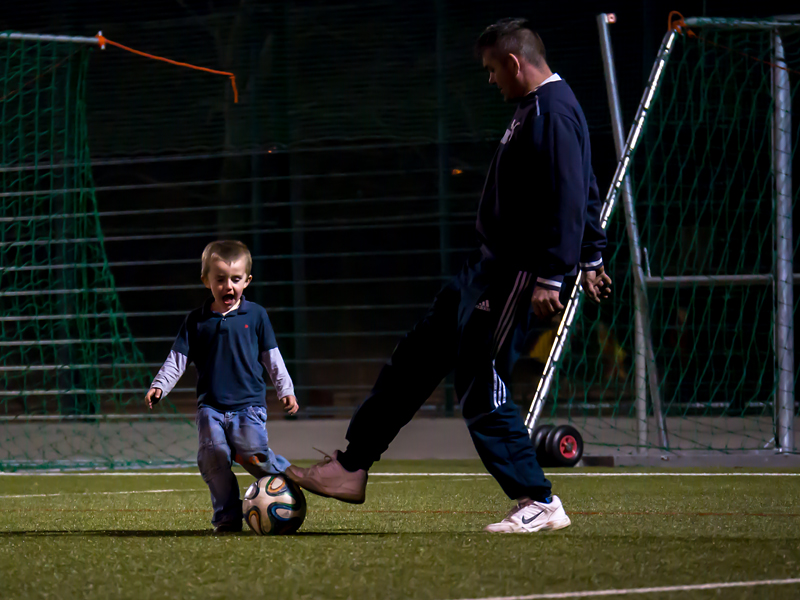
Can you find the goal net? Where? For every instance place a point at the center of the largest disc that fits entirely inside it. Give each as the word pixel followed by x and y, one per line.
pixel 69 370
pixel 704 188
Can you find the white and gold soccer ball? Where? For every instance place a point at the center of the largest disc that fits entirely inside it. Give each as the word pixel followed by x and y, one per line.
pixel 274 506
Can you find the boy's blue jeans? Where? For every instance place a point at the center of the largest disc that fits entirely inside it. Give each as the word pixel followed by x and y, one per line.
pixel 225 437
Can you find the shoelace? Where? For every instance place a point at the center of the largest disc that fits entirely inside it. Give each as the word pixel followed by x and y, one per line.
pixel 328 458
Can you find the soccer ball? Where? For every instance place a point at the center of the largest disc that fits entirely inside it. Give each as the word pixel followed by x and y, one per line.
pixel 274 506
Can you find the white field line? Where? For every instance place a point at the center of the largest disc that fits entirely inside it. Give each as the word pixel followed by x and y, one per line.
pixel 649 590
pixel 677 474
pixel 196 474
pixel 135 492
pixel 405 481
pixel 96 493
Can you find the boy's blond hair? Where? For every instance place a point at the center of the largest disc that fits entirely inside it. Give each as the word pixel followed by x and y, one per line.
pixel 228 251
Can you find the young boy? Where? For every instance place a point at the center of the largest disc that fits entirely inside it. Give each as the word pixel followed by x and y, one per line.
pixel 230 341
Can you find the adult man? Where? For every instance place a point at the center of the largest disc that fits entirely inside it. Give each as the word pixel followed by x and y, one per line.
pixel 538 218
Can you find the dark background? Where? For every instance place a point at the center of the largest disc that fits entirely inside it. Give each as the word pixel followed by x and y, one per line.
pixel 351 166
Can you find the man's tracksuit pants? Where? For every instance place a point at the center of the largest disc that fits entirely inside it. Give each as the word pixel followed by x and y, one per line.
pixel 473 319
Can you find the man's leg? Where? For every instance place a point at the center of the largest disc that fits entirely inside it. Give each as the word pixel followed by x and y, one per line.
pixel 527 331
pixel 214 460
pixel 248 438
pixel 419 362
pixel 494 422
pixel 502 442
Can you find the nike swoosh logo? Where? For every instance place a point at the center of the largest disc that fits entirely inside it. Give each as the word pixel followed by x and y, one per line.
pixel 526 521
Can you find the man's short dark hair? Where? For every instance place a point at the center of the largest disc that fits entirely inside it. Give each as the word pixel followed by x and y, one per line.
pixel 513 36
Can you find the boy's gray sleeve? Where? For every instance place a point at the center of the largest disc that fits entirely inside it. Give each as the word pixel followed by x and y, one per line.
pixel 170 372
pixel 273 363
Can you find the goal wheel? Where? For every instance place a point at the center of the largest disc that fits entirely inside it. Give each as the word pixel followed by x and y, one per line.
pixel 564 446
pixel 539 441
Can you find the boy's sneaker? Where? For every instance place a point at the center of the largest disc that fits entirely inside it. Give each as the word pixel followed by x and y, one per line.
pixel 330 479
pixel 531 516
pixel 232 527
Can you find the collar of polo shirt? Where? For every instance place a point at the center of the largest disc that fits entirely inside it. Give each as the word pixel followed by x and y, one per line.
pixel 240 310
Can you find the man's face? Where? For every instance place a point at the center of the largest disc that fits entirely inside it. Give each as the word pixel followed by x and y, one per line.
pixel 503 72
pixel 227 282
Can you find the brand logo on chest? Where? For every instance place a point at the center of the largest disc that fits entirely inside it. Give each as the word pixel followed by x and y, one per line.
pixel 510 131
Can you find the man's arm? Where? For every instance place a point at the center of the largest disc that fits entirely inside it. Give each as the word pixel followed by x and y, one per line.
pixel 562 144
pixel 594 280
pixel 564 234
pixel 594 236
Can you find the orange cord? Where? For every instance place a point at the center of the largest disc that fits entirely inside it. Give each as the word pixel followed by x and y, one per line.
pixel 104 40
pixel 679 25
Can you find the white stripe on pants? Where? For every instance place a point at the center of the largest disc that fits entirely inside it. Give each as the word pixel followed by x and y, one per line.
pixel 506 321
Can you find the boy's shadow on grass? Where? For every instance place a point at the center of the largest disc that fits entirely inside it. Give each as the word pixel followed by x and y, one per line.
pixel 155 533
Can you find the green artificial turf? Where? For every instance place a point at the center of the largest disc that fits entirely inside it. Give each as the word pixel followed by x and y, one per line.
pixel 415 537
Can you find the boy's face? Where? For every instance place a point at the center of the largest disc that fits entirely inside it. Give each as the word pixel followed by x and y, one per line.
pixel 227 282
pixel 503 71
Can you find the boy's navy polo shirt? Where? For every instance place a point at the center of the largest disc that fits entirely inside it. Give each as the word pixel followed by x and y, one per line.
pixel 226 351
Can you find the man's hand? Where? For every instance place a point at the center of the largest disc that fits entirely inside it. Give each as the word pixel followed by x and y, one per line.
pixel 152 397
pixel 596 284
pixel 290 404
pixel 545 303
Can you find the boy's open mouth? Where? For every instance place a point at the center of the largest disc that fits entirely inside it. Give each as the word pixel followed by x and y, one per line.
pixel 229 298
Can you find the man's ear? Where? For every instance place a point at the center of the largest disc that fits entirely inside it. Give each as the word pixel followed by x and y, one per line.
pixel 513 62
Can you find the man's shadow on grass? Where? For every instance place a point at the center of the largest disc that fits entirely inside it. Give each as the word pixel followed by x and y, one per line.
pixel 156 533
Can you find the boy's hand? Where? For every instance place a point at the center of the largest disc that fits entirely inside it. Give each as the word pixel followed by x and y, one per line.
pixel 290 404
pixel 596 284
pixel 152 397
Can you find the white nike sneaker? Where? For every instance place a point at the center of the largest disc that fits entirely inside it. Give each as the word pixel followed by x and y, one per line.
pixel 532 516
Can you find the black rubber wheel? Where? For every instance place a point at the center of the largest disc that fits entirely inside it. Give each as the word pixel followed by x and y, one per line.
pixel 539 439
pixel 564 446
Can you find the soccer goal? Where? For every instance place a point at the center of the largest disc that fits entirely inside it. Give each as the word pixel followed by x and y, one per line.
pixel 71 377
pixel 696 350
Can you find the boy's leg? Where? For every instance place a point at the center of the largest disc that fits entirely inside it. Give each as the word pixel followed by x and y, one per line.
pixel 497 429
pixel 248 439
pixel 214 460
